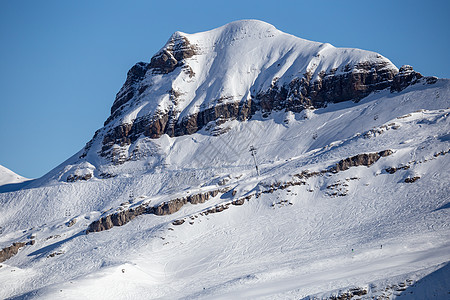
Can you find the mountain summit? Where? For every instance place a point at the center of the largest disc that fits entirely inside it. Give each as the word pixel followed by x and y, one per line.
pixel 244 162
pixel 231 73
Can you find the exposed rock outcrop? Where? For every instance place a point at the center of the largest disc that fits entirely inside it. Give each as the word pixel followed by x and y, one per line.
pixel 73 178
pixel 352 84
pixel 405 77
pixel 127 92
pixel 118 219
pixel 392 170
pixel 172 55
pixel 8 252
pixel 299 94
pixel 178 222
pixel 177 49
pixel 411 179
pixel 365 159
pixel 166 208
pixel 71 222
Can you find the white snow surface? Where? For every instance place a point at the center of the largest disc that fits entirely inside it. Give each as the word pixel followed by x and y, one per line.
pixel 293 243
pixel 8 177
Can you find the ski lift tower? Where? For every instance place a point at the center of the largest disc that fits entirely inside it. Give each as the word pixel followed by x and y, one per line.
pixel 253 152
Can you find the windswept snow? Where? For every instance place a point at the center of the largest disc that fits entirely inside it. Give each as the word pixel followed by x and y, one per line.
pixel 7 176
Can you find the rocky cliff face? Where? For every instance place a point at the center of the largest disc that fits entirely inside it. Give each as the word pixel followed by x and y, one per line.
pixel 172 56
pixel 166 208
pixel 8 252
pixel 170 85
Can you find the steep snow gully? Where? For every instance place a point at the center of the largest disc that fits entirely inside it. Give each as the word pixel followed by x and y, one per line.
pixel 244 162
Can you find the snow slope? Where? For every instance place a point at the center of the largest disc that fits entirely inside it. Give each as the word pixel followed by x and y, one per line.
pixel 288 244
pixel 7 176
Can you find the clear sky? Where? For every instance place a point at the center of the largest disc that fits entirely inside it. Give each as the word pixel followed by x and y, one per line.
pixel 62 62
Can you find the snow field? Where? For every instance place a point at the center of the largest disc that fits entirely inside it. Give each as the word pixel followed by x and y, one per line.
pixel 266 247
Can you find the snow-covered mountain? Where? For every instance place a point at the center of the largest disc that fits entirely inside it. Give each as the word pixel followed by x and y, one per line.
pixel 349 197
pixel 7 176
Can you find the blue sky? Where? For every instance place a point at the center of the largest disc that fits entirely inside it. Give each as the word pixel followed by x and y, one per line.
pixel 62 62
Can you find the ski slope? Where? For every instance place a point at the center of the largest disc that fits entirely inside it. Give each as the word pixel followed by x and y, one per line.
pixel 363 228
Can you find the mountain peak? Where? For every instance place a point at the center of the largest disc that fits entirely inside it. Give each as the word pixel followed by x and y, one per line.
pixel 7 176
pixel 233 72
pixel 253 24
